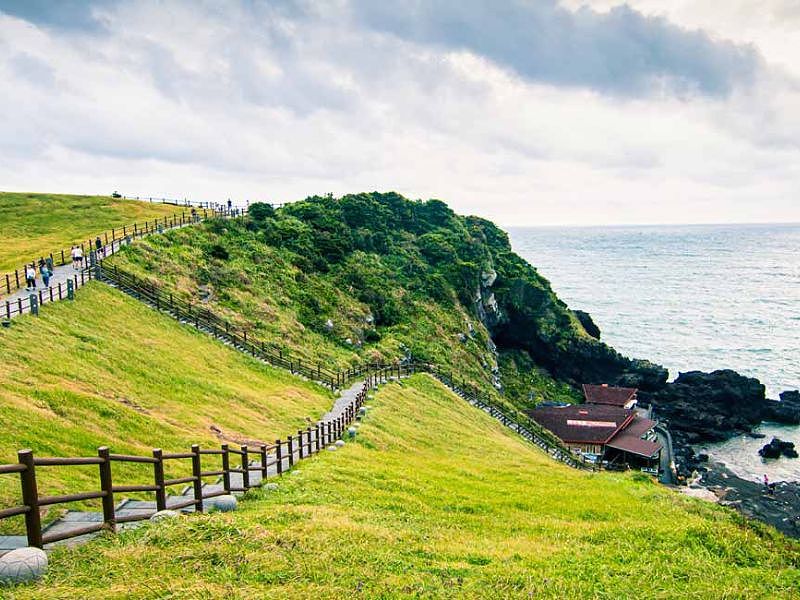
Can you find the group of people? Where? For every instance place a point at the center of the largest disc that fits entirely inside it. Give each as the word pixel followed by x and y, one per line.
pixel 45 270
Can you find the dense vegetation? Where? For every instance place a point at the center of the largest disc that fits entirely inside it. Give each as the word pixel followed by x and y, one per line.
pixel 34 225
pixel 373 276
pixel 436 500
pixel 108 370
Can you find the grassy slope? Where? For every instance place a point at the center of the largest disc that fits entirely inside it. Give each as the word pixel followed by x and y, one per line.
pixel 435 499
pixel 36 224
pixel 259 288
pixel 107 370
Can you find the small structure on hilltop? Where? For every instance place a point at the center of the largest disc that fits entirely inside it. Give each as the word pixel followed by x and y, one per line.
pixel 609 395
pixel 613 435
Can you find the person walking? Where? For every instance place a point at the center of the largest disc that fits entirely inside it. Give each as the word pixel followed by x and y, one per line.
pixel 77 257
pixel 98 246
pixel 49 263
pixel 46 274
pixel 30 277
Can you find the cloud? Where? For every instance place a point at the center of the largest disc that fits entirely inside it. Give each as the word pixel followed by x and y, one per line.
pixel 620 51
pixel 285 99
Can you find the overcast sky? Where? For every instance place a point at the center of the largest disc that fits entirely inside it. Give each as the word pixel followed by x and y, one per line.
pixel 529 112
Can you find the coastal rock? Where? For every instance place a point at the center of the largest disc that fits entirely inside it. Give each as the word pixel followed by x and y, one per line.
pixel 777 448
pixel 710 407
pixel 786 411
pixel 588 323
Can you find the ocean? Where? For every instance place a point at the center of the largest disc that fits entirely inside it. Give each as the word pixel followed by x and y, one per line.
pixel 689 297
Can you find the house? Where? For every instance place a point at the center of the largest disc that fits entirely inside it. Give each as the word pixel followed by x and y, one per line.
pixel 603 432
pixel 609 395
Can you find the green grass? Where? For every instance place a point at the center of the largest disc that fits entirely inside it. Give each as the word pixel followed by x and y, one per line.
pixel 107 370
pixel 34 225
pixel 434 499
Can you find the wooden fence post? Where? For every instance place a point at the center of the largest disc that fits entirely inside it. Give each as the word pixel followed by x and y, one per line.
pixel 158 475
pixel 245 468
pixel 316 437
pixel 197 484
pixel 30 498
pixel 278 457
pixel 263 450
pixel 226 468
pixel 300 444
pixel 290 444
pixel 107 487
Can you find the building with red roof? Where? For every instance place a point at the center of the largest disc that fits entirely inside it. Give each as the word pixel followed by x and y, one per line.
pixel 610 395
pixel 614 434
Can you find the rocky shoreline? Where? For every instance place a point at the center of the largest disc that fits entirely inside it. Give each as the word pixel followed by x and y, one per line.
pixel 781 508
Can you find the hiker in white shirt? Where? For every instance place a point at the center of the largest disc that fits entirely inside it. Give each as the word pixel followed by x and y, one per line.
pixel 77 257
pixel 30 277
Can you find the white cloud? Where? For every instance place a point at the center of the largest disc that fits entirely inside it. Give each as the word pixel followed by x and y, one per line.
pixel 182 99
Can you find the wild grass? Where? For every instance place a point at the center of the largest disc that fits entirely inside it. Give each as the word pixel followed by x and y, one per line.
pixel 34 225
pixel 435 499
pixel 108 370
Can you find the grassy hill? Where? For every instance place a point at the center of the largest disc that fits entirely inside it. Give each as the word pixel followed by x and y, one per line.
pixel 107 370
pixel 434 499
pixel 34 225
pixel 377 276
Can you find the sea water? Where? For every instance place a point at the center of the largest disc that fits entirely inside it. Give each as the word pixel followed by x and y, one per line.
pixel 695 297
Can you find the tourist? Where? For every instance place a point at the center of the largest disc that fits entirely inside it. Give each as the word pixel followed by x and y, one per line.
pixel 49 263
pixel 46 274
pixel 30 277
pixel 77 257
pixel 98 246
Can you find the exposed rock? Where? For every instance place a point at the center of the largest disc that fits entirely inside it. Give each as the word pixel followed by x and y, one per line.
pixel 588 324
pixel 22 565
pixel 271 487
pixel 709 407
pixel 328 325
pixel 488 278
pixel 786 411
pixel 777 448
pixel 339 443
pixel 332 448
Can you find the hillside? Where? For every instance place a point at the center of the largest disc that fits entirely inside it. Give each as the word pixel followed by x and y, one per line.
pixel 34 225
pixel 434 499
pixel 372 276
pixel 107 370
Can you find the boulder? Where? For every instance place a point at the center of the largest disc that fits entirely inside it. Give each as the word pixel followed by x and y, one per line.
pixel 777 448
pixel 332 448
pixel 271 487
pixel 709 407
pixel 785 411
pixel 227 503
pixel 165 514
pixel 339 443
pixel 22 565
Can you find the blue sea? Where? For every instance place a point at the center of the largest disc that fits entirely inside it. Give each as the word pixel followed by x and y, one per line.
pixel 689 297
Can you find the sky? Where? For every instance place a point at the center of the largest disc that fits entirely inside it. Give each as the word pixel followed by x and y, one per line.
pixel 527 112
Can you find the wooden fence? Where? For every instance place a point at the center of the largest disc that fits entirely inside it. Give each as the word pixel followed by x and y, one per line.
pixel 275 458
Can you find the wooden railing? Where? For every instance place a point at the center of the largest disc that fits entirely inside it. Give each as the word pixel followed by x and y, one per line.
pixel 272 459
pixel 113 239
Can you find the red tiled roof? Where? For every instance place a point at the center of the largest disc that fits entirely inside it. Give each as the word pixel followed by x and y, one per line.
pixel 606 394
pixel 630 439
pixel 583 423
